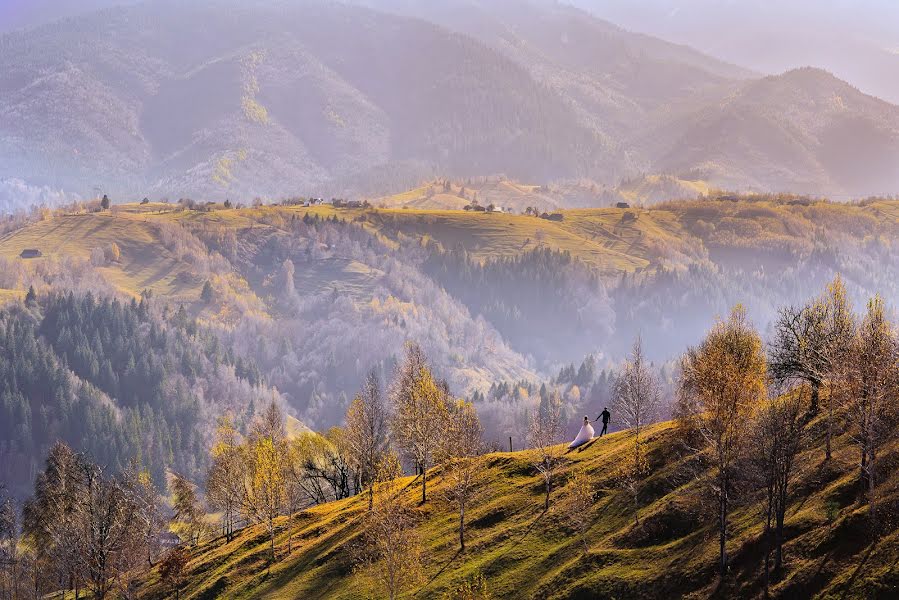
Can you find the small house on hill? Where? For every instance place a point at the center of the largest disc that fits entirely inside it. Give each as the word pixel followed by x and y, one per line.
pixel 622 205
pixel 31 253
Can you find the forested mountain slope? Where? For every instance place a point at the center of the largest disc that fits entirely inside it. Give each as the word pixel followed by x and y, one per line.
pixel 315 297
pixel 121 381
pixel 523 552
pixel 217 99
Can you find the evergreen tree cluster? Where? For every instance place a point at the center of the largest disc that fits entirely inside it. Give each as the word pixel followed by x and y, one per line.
pixel 114 379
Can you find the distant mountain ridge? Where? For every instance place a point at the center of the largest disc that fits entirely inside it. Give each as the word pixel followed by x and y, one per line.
pixel 216 100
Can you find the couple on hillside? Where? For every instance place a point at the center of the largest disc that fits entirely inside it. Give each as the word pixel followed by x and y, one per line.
pixel 586 432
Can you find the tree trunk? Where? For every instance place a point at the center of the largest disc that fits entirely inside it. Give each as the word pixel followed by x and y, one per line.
pixel 767 534
pixel 816 392
pixel 779 539
pixel 371 496
pixel 722 528
pixel 548 490
pixel 271 535
pixel 722 539
pixel 290 531
pixel 827 453
pixel 863 473
pixel 872 507
pixel 462 526
pixel 424 485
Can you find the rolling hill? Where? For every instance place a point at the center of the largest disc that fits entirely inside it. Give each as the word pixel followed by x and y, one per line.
pixel 523 552
pixel 492 297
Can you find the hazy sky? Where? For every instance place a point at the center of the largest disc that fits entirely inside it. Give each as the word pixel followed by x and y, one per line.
pixel 857 40
pixel 18 14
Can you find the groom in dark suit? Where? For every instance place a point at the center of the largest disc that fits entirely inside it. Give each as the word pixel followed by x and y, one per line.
pixel 605 415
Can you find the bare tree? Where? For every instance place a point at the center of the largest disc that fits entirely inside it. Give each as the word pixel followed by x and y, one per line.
pixel 723 382
pixel 367 433
pixel 867 387
pixel 419 412
pixel 777 438
pixel 460 450
pixel 636 395
pixel 391 553
pixel 810 342
pixel 545 431
pixel 149 521
pixel 108 529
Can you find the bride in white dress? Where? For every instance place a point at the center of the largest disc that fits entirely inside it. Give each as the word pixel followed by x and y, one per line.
pixel 584 435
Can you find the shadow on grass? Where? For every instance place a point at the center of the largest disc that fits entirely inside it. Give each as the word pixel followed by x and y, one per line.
pixel 516 541
pixel 440 572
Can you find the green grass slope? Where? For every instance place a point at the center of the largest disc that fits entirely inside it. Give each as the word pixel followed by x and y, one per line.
pixel 525 552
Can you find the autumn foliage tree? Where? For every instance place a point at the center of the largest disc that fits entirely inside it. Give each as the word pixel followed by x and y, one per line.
pixel 722 384
pixel 188 512
pixel 225 478
pixel 810 343
pixel 777 438
pixel 577 505
pixel 419 410
pixel 264 482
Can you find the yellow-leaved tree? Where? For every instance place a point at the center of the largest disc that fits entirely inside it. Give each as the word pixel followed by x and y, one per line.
pixel 419 412
pixel 264 482
pixel 225 478
pixel 723 382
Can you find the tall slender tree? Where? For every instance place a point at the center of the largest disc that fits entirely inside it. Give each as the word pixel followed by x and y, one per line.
pixel 265 483
pixel 225 478
pixel 636 396
pixel 419 410
pixel 367 433
pixel 188 512
pixel 545 432
pixel 777 438
pixel 722 384
pixel 391 552
pixel 460 451
pixel 868 384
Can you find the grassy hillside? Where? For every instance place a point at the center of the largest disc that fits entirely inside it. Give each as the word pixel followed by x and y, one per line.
pixel 145 263
pixel 526 553
pixel 611 241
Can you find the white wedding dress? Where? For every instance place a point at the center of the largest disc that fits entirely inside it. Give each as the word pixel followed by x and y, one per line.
pixel 583 436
